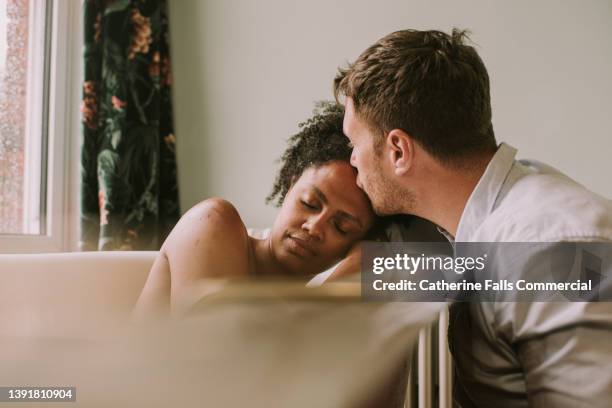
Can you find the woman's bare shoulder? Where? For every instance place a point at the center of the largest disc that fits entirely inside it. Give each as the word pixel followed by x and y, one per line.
pixel 211 218
pixel 216 210
pixel 211 234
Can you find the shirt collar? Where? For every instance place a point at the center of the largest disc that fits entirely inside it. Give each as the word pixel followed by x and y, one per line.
pixel 446 234
pixel 483 198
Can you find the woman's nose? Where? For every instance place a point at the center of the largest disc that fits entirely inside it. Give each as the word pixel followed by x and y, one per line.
pixel 315 227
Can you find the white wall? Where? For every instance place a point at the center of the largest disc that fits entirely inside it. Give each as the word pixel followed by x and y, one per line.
pixel 246 72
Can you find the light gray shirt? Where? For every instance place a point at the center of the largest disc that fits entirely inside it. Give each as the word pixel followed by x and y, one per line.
pixel 532 354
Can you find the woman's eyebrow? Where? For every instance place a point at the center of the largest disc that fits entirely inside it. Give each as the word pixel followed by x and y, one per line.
pixel 319 194
pixel 350 217
pixel 341 213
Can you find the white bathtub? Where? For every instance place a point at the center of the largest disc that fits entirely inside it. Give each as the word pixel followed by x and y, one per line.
pixel 65 322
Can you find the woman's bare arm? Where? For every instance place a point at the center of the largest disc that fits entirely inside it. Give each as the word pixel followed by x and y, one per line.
pixel 154 300
pixel 349 266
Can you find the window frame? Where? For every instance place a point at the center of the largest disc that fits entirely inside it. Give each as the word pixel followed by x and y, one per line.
pixel 60 231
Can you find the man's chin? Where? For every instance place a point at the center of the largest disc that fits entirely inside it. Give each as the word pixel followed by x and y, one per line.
pixel 385 208
pixel 377 206
pixel 381 211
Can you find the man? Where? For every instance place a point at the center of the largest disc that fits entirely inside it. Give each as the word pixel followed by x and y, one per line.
pixel 418 116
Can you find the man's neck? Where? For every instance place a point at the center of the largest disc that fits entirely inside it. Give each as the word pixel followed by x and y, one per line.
pixel 445 202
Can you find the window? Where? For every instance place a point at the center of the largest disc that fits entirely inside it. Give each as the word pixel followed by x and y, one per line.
pixel 23 107
pixel 38 138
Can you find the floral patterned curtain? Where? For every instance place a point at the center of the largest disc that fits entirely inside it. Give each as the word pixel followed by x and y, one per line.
pixel 129 196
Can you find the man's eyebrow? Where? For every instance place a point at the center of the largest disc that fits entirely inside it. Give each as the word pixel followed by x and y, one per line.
pixel 342 214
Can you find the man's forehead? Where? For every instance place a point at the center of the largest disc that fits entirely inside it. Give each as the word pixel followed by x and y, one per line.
pixel 349 109
pixel 345 128
pixel 351 121
pixel 347 123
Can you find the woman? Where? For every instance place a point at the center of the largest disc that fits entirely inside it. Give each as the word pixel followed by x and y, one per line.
pixel 323 214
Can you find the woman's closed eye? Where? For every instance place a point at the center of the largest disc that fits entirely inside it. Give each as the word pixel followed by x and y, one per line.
pixel 340 229
pixel 310 206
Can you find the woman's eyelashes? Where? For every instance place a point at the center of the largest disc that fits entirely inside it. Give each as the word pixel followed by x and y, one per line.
pixel 340 229
pixel 309 205
pixel 313 206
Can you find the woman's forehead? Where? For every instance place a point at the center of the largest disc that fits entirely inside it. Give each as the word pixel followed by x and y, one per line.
pixel 332 173
pixel 337 183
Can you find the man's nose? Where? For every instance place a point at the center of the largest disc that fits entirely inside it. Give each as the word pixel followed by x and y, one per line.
pixel 353 159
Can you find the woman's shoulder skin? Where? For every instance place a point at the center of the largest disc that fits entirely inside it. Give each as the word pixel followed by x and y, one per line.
pixel 211 231
pixel 209 241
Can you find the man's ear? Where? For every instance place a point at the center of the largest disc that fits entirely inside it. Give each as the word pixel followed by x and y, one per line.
pixel 400 151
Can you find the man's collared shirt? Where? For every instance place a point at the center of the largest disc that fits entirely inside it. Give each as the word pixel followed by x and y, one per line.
pixel 532 354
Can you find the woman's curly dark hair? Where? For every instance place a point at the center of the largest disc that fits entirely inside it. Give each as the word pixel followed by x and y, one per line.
pixel 320 140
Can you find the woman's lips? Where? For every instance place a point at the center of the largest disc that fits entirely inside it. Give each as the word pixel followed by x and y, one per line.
pixel 300 247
